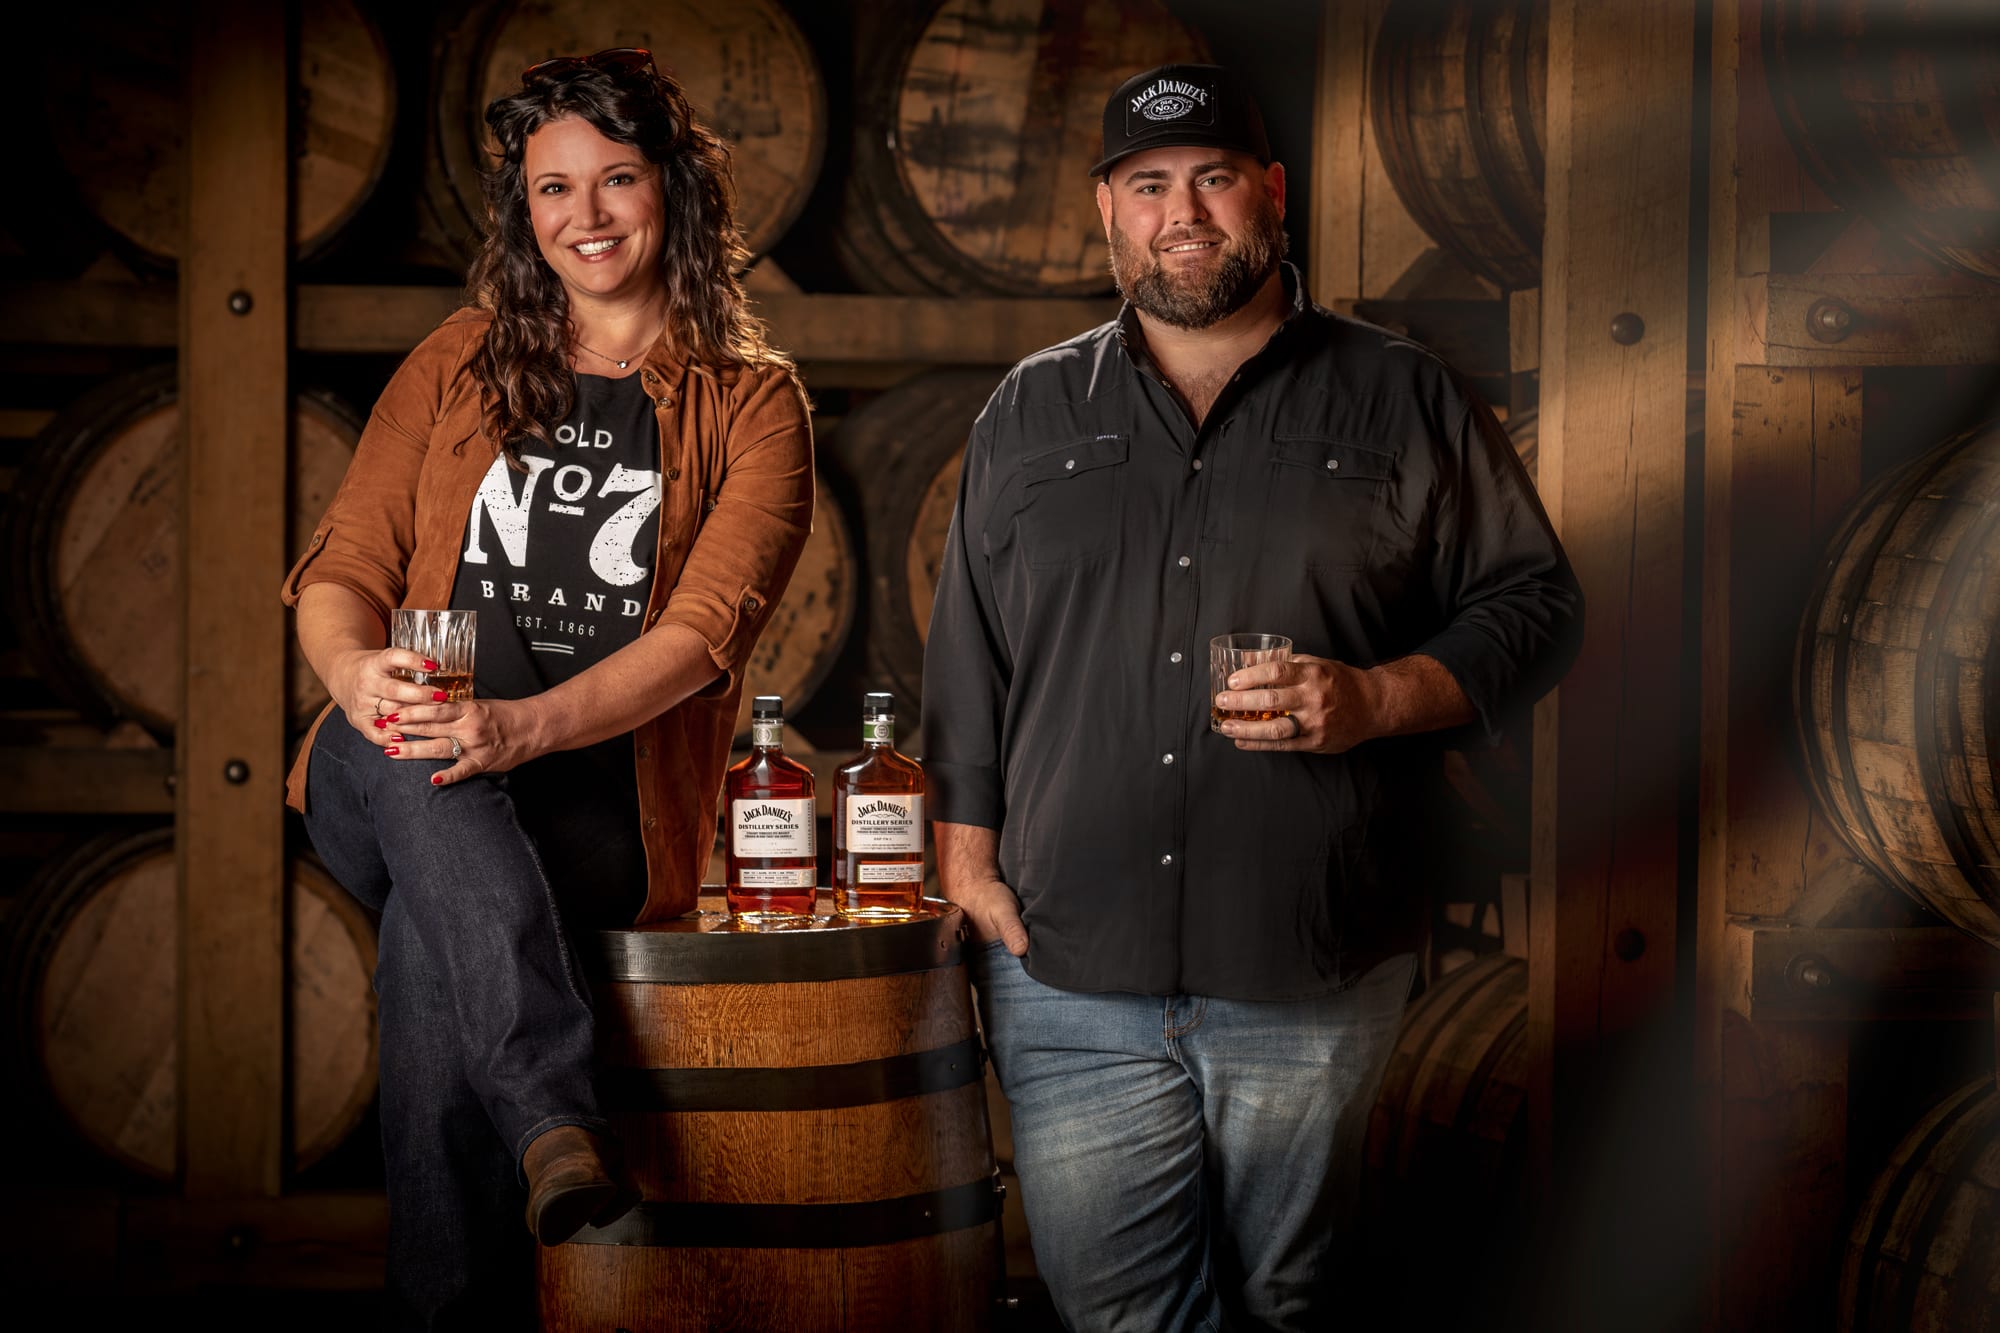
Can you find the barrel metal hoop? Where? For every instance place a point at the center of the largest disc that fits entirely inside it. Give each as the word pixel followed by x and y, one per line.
pixel 799 1088
pixel 801 1226
pixel 685 957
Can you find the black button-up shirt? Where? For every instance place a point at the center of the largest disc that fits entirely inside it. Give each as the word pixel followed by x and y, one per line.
pixel 1345 490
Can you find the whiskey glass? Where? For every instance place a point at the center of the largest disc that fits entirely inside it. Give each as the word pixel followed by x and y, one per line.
pixel 1230 653
pixel 445 637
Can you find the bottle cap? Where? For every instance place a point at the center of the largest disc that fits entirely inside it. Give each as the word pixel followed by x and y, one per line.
pixel 767 705
pixel 876 704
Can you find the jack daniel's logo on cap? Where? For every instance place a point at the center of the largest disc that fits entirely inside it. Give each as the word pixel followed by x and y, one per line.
pixel 1170 101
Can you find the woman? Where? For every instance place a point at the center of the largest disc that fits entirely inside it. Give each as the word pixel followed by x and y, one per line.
pixel 605 459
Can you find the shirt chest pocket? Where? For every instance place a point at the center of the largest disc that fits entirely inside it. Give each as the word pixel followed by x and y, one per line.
pixel 1325 499
pixel 1071 500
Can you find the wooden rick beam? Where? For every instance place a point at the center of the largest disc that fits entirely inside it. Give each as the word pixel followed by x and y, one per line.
pixel 230 758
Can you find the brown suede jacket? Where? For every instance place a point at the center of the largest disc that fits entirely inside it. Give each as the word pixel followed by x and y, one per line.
pixel 736 468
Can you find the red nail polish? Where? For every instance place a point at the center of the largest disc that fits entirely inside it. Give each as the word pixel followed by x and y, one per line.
pixel 437 779
pixel 430 665
pixel 438 696
pixel 397 739
pixel 381 722
pixel 393 717
pixel 392 749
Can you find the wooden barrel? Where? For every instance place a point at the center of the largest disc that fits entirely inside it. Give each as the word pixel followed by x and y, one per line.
pixel 805 1116
pixel 1458 95
pixel 96 544
pixel 975 126
pixel 117 117
pixel 805 635
pixel 908 444
pixel 743 64
pixel 1894 108
pixel 1898 665
pixel 1447 1140
pixel 94 968
pixel 1925 1249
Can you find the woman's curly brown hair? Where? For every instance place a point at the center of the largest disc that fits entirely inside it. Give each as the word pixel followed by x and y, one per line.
pixel 523 368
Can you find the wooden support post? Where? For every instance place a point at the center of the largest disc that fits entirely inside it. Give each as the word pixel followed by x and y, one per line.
pixel 231 755
pixel 1782 460
pixel 1612 471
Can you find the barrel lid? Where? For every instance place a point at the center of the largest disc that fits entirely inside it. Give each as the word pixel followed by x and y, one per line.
pixel 702 948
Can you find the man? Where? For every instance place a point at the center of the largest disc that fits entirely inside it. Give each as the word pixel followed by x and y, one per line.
pixel 1192 950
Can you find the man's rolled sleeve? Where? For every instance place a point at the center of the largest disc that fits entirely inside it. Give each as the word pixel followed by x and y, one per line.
pixel 1515 612
pixel 966 662
pixel 751 541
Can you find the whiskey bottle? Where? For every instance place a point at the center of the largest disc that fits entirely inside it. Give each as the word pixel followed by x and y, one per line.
pixel 770 860
pixel 878 825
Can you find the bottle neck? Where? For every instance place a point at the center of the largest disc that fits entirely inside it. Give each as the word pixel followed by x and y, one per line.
pixel 878 733
pixel 767 733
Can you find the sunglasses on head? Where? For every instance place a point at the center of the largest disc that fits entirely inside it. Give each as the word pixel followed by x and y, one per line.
pixel 616 60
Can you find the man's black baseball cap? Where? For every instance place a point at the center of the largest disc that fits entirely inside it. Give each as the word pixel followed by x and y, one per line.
pixel 1202 106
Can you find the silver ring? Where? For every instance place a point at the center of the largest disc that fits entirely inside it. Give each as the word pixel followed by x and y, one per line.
pixel 456 748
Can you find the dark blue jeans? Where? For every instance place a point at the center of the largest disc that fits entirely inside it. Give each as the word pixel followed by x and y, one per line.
pixel 486 1028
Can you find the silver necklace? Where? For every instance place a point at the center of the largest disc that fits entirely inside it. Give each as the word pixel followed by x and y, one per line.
pixel 612 359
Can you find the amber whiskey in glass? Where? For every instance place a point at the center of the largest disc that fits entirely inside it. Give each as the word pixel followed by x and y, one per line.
pixel 770 862
pixel 878 824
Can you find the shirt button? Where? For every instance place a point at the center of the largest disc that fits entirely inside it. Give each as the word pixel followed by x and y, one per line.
pixel 645 752
pixel 1185 561
pixel 652 821
pixel 649 377
pixel 1166 759
pixel 653 617
pixel 1173 657
pixel 673 474
pixel 1070 465
pixel 666 400
pixel 1333 465
pixel 751 604
pixel 1197 465
pixel 1167 860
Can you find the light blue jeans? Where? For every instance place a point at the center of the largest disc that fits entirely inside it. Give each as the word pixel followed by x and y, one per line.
pixel 1189 1162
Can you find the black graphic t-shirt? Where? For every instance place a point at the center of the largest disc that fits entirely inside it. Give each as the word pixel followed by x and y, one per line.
pixel 558 561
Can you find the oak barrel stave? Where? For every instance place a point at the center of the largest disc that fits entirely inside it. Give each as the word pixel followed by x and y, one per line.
pixel 908 444
pixel 117 119
pixel 1924 1251
pixel 96 544
pixel 1894 109
pixel 1895 679
pixel 1445 1154
pixel 974 125
pixel 92 969
pixel 743 64
pixel 805 1115
pixel 1458 98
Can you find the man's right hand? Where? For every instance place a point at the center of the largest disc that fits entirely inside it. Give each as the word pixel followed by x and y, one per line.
pixel 968 859
pixel 993 912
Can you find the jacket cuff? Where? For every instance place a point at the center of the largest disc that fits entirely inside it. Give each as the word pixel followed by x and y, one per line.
pixel 729 630
pixel 964 794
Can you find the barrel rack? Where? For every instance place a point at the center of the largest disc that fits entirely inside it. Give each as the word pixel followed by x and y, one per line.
pixel 1757 920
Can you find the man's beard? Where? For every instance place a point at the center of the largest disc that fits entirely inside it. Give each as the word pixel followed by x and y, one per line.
pixel 1200 298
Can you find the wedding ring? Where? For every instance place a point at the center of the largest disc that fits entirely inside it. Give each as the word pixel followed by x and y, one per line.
pixel 1296 728
pixel 456 748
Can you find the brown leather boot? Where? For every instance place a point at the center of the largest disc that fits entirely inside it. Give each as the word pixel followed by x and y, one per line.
pixel 574 1177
